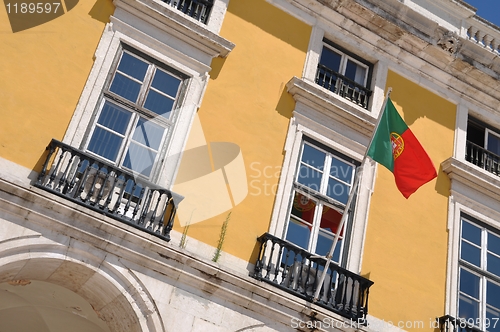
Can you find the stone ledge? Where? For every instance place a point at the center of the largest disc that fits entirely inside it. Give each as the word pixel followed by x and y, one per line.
pixel 177 24
pixel 53 214
pixel 325 102
pixel 472 176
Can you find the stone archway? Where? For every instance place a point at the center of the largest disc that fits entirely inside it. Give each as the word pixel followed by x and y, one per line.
pixel 115 297
pixel 31 305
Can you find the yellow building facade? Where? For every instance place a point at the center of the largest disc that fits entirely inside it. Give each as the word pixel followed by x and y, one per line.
pixel 187 166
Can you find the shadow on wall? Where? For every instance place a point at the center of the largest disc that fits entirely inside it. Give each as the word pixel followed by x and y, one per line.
pixel 101 10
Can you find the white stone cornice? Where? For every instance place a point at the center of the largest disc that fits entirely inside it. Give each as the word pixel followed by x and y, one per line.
pixel 173 22
pixel 472 177
pixel 51 217
pixel 340 110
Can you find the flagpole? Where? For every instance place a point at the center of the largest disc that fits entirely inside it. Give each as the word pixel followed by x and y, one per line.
pixel 349 201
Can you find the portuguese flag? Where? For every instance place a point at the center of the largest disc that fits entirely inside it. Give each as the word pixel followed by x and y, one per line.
pixel 395 147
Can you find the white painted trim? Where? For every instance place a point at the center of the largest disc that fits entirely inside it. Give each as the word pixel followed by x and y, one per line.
pixel 464 199
pixel 301 125
pixel 313 53
pixel 461 132
pixel 119 32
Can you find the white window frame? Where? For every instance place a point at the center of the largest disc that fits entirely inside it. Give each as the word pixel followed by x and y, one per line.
pixel 319 196
pixel 477 206
pixel 487 133
pixel 114 36
pixel 138 111
pixel 343 62
pixel 480 272
pixel 301 126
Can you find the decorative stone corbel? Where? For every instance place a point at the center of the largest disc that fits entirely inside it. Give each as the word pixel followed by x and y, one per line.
pixel 450 42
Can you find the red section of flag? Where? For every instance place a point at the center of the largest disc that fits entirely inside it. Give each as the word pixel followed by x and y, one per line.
pixel 413 167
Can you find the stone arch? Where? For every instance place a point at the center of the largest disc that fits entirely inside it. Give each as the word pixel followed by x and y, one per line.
pixel 116 295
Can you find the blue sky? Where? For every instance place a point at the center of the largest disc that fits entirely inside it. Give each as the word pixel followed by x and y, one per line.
pixel 487 9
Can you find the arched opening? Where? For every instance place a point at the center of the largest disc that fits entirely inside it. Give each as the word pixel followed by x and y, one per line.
pixel 45 307
pixel 110 290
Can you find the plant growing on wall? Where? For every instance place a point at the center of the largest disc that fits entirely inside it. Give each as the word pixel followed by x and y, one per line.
pixel 223 230
pixel 183 241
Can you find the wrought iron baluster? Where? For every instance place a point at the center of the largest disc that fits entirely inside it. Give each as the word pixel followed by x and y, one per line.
pixel 92 186
pixel 131 194
pixel 145 207
pixel 103 187
pixel 70 184
pixel 153 215
pixel 54 171
pixel 278 263
pixel 139 202
pixel 62 180
pixel 285 267
pixel 268 270
pixel 51 147
pixel 162 215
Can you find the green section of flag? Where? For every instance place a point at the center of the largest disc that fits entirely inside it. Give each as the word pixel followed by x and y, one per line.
pixel 380 149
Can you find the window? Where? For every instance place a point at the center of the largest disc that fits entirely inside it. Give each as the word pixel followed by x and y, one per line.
pixel 136 113
pixel 483 146
pixel 344 74
pixel 321 188
pixel 479 275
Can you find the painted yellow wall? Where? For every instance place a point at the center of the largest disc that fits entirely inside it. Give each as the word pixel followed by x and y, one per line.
pixel 246 103
pixel 406 240
pixel 43 70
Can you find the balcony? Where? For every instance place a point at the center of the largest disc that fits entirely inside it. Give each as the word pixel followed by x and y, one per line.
pixel 343 86
pixel 297 271
pixel 482 158
pixel 102 187
pixel 450 324
pixel 197 9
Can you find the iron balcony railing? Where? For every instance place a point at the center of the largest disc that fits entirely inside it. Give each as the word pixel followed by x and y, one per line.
pixel 293 269
pixel 450 324
pixel 197 9
pixel 102 187
pixel 343 86
pixel 483 158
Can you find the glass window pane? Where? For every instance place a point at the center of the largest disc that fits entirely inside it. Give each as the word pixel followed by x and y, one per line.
pixel 469 283
pixel 148 133
pixel 493 294
pixel 492 322
pixel 132 66
pixel 324 245
pixel 309 177
pixel 337 190
pixel 493 264
pixel 471 233
pixel 105 143
pixel 166 83
pixel 313 157
pixel 159 104
pixel 125 87
pixel 139 159
pixel 468 308
pixel 341 170
pixel 493 243
pixel 114 118
pixel 470 253
pixel 330 59
pixel 298 233
pixel 330 220
pixel 494 143
pixel 355 72
pixel 303 207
